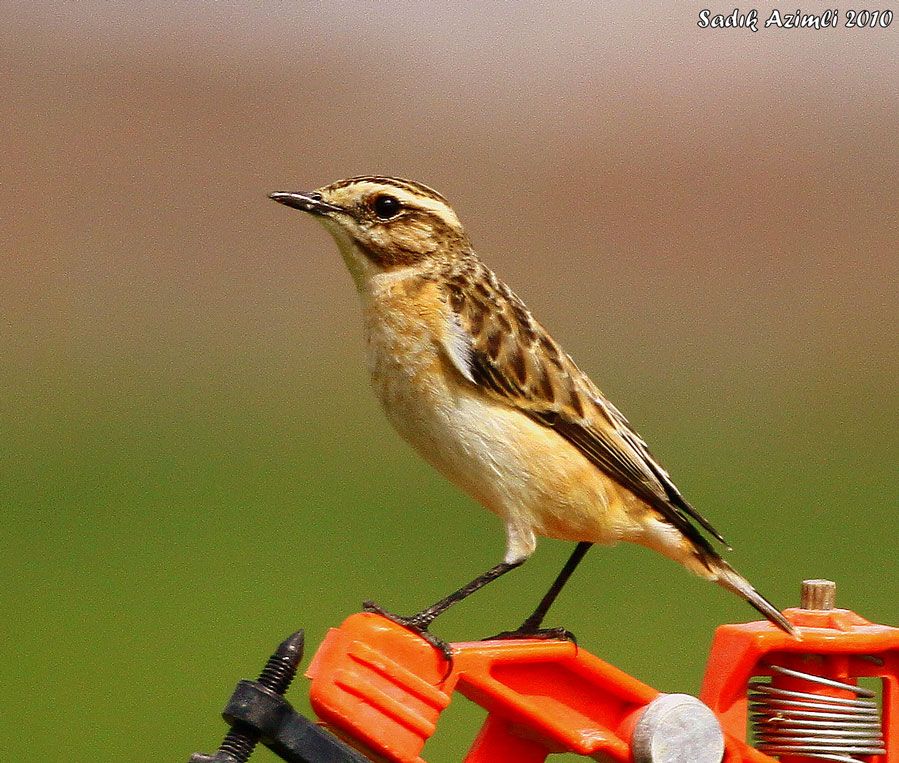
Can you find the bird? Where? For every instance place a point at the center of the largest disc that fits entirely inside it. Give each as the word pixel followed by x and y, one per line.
pixel 489 398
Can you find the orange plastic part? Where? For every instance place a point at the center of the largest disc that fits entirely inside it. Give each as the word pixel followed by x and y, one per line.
pixel 836 644
pixel 384 687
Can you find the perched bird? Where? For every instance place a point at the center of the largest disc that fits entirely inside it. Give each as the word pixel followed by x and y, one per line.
pixel 482 391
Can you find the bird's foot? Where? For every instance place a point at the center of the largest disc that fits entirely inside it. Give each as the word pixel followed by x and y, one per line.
pixel 543 634
pixel 418 625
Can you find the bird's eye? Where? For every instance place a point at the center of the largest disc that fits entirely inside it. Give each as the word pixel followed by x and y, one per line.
pixel 386 206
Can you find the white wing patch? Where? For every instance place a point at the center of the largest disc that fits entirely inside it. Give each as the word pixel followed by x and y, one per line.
pixel 457 344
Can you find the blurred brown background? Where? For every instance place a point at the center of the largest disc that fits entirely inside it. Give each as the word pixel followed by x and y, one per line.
pixel 193 465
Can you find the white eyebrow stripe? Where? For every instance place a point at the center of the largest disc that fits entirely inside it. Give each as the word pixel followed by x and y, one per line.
pixel 410 198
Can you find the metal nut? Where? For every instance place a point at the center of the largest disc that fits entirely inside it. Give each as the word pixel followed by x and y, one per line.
pixel 677 728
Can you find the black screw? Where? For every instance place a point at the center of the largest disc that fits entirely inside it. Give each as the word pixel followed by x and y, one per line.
pixel 276 676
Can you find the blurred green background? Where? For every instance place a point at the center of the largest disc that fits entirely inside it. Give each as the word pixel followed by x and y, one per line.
pixel 193 465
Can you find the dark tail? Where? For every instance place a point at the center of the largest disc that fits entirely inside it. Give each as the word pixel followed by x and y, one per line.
pixel 727 577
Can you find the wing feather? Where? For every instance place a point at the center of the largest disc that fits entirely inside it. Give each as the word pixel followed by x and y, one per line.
pixel 497 345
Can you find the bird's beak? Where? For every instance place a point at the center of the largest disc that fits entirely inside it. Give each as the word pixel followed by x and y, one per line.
pixel 310 201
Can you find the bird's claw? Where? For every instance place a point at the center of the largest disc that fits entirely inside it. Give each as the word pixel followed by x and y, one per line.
pixel 417 625
pixel 543 634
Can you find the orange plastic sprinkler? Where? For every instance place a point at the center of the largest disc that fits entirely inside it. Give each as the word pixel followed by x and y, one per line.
pixel 383 688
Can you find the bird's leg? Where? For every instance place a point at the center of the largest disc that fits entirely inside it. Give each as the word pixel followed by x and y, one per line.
pixel 530 628
pixel 420 622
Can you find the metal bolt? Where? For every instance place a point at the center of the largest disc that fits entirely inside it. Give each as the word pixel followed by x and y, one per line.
pixel 279 671
pixel 677 728
pixel 818 594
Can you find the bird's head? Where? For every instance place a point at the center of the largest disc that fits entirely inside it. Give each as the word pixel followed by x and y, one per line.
pixel 383 224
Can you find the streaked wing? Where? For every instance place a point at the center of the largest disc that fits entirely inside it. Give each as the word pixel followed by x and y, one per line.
pixel 495 343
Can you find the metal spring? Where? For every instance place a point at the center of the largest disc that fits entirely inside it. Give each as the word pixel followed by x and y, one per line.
pixel 816 726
